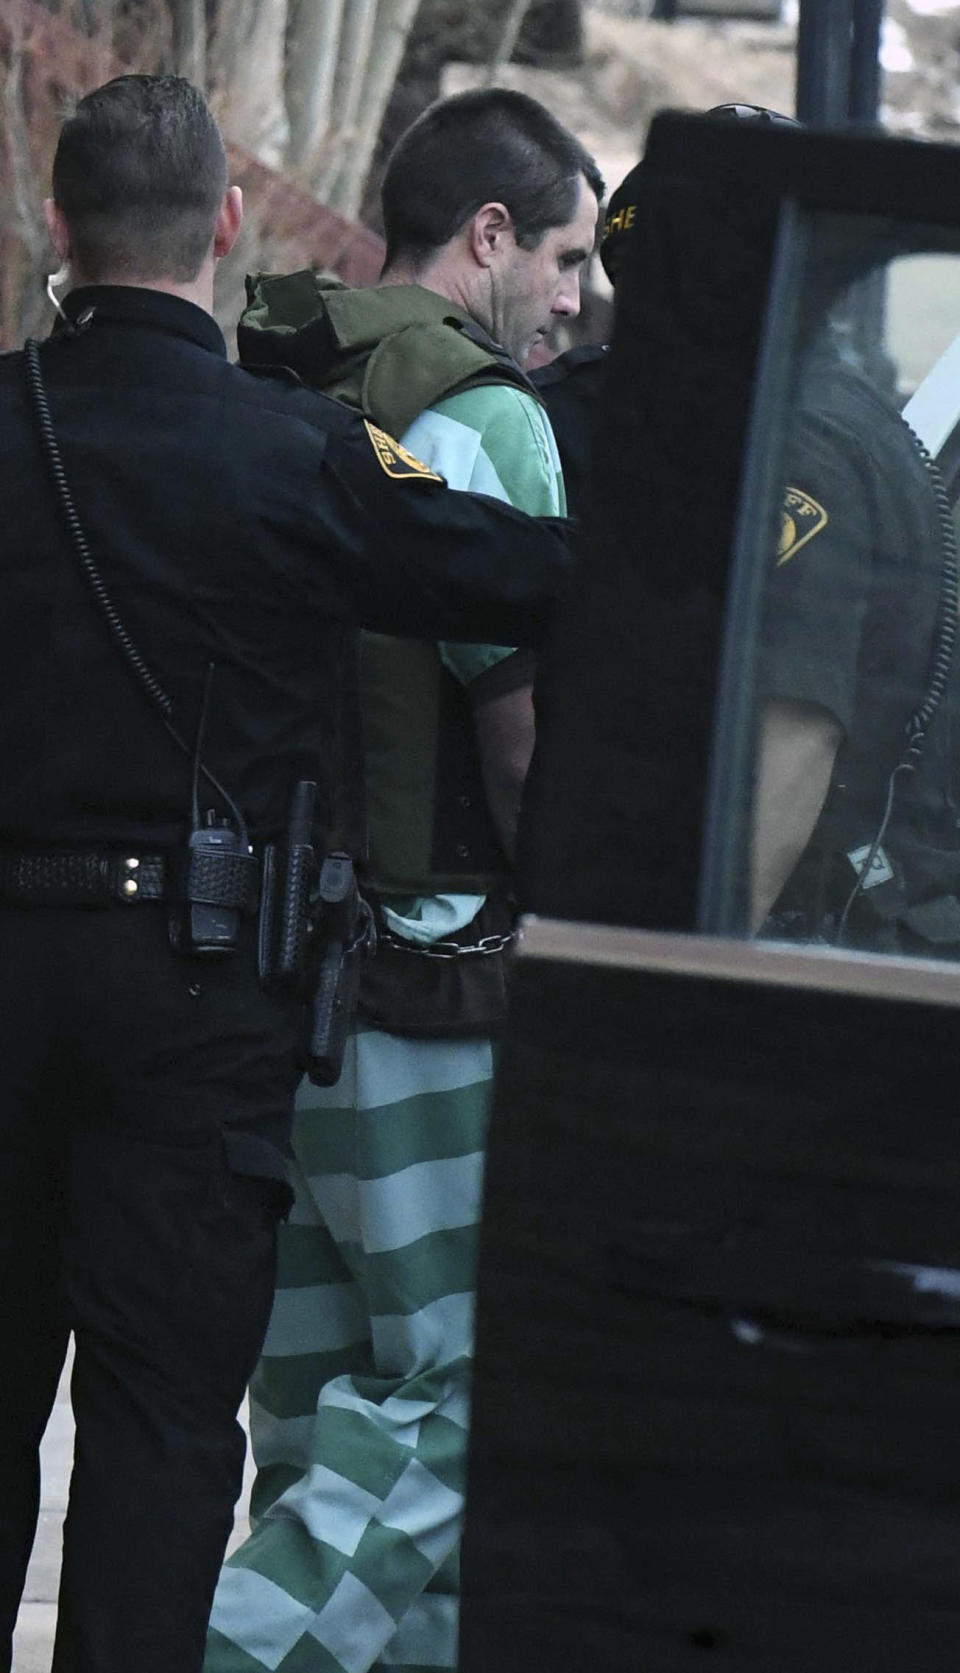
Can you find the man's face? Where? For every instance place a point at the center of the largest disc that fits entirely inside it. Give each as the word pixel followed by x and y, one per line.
pixel 529 289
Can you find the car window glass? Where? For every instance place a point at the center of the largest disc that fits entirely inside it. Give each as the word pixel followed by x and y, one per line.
pixel 853 838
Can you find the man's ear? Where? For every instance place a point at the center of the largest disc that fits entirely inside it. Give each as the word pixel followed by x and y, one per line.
pixel 490 233
pixel 58 229
pixel 228 221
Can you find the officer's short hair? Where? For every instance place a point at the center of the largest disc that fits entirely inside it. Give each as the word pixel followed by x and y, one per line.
pixel 139 174
pixel 491 145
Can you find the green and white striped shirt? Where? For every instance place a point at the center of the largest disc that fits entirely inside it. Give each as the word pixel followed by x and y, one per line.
pixel 494 439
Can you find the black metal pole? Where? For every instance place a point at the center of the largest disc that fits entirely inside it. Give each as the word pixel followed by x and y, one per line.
pixel 869 314
pixel 838 84
pixel 865 61
pixel 824 40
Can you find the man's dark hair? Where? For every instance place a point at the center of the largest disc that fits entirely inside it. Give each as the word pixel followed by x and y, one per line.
pixel 140 174
pixel 488 146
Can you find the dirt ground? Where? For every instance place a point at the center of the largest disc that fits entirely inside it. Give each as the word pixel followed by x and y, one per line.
pixel 925 101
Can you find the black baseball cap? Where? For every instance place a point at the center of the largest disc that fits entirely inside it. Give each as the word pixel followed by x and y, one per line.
pixel 617 222
pixel 622 209
pixel 759 114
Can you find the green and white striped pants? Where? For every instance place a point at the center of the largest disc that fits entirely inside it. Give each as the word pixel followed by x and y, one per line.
pixel 359 1406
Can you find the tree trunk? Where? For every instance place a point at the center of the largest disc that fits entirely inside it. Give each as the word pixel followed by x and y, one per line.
pixel 356 44
pixel 234 25
pixel 313 44
pixel 510 34
pixel 188 24
pixel 245 75
pixel 24 304
pixel 394 21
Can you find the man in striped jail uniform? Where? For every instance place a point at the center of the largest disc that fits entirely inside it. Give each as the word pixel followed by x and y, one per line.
pixel 359 1407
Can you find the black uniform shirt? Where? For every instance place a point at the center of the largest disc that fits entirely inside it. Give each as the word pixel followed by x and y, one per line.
pixel 236 521
pixel 853 608
pixel 570 388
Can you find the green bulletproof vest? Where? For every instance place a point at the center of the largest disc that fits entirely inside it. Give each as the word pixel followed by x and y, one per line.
pixel 391 353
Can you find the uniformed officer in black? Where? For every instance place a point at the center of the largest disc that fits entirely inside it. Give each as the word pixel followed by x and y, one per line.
pixel 858 684
pixel 571 386
pixel 236 528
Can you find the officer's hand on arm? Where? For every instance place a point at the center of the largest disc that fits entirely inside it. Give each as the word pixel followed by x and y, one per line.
pixel 503 717
pixel 411 556
pixel 797 749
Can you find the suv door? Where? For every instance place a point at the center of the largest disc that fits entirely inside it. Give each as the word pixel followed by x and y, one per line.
pixel 718 1349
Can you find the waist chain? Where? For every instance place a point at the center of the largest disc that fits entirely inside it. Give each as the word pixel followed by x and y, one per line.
pixel 483 948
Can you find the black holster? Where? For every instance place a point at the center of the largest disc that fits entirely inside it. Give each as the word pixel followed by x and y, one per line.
pixel 916 909
pixel 315 930
pixel 286 919
pixel 346 936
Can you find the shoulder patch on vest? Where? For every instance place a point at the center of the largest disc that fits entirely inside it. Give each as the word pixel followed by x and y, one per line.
pixel 803 518
pixel 396 459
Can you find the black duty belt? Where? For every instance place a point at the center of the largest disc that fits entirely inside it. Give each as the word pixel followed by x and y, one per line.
pixel 102 877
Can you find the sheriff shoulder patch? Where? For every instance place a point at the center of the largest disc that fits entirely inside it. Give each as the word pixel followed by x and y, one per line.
pixel 803 518
pixel 396 459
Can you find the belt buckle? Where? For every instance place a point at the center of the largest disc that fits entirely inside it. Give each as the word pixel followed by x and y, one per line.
pixel 120 877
